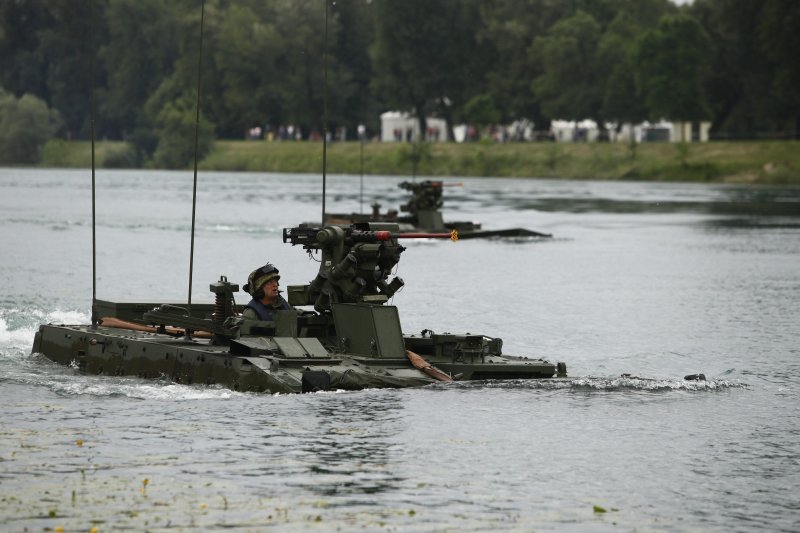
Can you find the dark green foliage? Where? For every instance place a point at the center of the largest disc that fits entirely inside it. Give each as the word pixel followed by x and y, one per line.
pixel 144 142
pixel 510 27
pixel 415 154
pixel 46 50
pixel 21 65
pixel 755 73
pixel 481 110
pixel 671 66
pixel 124 157
pixel 426 57
pixel 141 51
pixel 176 135
pixel 25 125
pixel 621 101
pixel 570 84
pixel 779 38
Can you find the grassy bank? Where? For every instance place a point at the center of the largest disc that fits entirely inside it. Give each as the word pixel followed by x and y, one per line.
pixel 774 162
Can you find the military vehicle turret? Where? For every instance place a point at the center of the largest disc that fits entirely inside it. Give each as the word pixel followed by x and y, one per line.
pixel 340 334
pixel 424 214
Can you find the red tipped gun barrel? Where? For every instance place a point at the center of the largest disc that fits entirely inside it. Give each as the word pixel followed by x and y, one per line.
pixel 388 235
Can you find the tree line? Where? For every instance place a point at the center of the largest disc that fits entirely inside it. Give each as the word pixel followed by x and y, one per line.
pixel 267 63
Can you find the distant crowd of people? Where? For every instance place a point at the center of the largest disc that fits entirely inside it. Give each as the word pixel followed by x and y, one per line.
pixel 467 133
pixel 291 132
pixel 280 133
pixel 408 135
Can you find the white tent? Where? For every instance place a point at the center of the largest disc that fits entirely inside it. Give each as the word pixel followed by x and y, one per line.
pixel 570 130
pixel 401 126
pixel 662 131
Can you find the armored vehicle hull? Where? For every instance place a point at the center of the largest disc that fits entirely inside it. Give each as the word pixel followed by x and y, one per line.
pixel 259 362
pixel 432 221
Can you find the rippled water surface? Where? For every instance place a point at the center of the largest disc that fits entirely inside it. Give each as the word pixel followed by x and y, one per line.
pixel 641 285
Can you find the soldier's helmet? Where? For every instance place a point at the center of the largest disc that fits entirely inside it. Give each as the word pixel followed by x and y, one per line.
pixel 259 277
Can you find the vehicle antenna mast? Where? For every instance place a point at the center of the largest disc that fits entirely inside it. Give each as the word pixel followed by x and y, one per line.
pixel 94 240
pixel 361 187
pixel 196 135
pixel 324 112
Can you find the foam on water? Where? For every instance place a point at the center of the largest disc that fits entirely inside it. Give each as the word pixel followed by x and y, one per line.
pixel 608 384
pixel 68 381
pixel 135 389
pixel 18 327
pixel 651 384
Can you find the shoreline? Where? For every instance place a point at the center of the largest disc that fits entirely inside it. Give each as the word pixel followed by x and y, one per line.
pixel 742 162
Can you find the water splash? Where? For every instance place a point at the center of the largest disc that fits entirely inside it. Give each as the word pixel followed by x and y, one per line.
pixel 18 327
pixel 17 330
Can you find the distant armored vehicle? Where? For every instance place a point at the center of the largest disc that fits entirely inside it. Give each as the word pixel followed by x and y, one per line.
pixel 424 214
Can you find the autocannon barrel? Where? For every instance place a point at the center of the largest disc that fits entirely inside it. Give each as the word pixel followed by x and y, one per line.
pixel 317 237
pixel 375 236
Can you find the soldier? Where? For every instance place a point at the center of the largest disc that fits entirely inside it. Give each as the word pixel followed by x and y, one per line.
pixel 262 284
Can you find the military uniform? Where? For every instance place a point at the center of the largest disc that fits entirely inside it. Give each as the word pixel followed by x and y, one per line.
pixel 255 310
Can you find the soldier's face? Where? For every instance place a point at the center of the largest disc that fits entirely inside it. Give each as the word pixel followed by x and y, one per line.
pixel 270 289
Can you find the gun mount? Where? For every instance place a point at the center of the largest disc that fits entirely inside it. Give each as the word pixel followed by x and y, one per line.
pixel 356 263
pixel 425 196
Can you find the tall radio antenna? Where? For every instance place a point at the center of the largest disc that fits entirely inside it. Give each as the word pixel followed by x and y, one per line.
pixel 94 240
pixel 196 135
pixel 325 112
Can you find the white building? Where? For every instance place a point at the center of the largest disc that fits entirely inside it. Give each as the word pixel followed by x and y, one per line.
pixel 664 131
pixel 397 126
pixel 690 131
pixel 573 131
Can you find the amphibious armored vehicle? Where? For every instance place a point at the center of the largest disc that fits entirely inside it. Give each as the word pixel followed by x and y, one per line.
pixel 340 334
pixel 424 214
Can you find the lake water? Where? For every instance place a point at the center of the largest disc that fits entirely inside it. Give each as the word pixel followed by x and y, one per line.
pixel 653 280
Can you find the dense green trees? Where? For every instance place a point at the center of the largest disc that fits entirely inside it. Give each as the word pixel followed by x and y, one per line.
pixel 671 65
pixel 25 124
pixel 426 56
pixel 755 76
pixel 569 85
pixel 137 61
pixel 732 61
